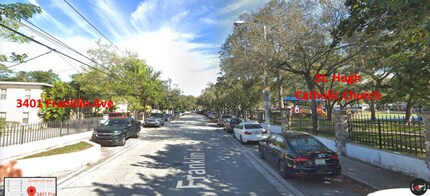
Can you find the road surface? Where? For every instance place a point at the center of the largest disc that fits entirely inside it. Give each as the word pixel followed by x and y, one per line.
pixel 192 156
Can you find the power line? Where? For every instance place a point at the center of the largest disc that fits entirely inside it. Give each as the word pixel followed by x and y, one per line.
pixel 30 59
pixel 68 62
pixel 90 23
pixel 53 49
pixel 57 41
pixel 231 10
pixel 120 19
pixel 48 36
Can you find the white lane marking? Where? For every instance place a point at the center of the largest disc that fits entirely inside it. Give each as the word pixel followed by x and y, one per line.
pixel 272 176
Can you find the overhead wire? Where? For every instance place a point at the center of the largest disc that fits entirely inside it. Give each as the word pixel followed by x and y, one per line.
pixel 29 59
pixel 123 23
pixel 58 42
pixel 83 17
pixel 53 49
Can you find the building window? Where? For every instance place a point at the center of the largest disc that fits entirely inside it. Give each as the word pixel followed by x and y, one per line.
pixel 25 118
pixel 27 93
pixel 3 115
pixel 2 94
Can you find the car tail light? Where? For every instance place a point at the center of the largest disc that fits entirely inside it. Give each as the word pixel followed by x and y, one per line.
pixel 300 159
pixel 334 156
pixel 265 131
pixel 247 133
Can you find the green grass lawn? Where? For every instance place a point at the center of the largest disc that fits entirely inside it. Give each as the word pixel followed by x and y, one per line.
pixel 62 150
pixel 385 114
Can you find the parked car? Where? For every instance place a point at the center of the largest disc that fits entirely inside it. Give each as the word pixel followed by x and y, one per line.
pixel 222 118
pixel 155 120
pixel 299 154
pixel 116 131
pixel 231 124
pixel 250 131
pixel 168 117
pixel 213 115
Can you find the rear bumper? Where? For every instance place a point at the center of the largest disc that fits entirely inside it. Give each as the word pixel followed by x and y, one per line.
pixel 329 170
pixel 255 138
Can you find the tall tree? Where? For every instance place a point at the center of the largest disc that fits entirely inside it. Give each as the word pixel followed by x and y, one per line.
pixel 403 28
pixel 10 15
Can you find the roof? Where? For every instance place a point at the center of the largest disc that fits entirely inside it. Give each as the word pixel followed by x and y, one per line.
pixel 295 99
pixel 23 84
pixel 293 134
pixel 250 122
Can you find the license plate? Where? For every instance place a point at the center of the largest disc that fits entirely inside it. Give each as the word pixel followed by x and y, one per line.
pixel 319 161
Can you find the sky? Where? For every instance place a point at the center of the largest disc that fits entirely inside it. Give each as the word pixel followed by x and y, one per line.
pixel 180 38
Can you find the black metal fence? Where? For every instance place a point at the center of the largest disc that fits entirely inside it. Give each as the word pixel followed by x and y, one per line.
pixel 14 134
pixel 388 132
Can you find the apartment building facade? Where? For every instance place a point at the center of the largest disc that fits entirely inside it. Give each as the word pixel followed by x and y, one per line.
pixel 11 92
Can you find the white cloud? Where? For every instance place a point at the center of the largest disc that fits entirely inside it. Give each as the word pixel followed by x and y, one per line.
pixel 139 16
pixel 66 9
pixel 240 5
pixel 177 58
pixel 208 20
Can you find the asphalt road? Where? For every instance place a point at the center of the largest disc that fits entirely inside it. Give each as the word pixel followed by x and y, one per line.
pixel 192 156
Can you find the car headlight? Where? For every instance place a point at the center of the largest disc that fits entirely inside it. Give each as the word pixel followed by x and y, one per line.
pixel 116 132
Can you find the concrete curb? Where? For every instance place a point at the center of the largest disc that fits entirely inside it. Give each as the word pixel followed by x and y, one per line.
pixel 48 165
pixel 362 182
pixel 17 151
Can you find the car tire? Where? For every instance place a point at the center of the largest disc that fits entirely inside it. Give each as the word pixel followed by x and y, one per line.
pixel 260 152
pixel 282 169
pixel 123 140
pixel 136 134
pixel 241 140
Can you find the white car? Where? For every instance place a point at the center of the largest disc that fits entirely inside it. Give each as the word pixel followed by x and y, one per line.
pixel 250 131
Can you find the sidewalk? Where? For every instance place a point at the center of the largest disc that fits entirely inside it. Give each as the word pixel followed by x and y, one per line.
pixel 372 176
pixel 17 151
pixel 367 174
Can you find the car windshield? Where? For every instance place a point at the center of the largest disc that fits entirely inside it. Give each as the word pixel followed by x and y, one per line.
pixel 116 122
pixel 306 143
pixel 156 115
pixel 253 126
pixel 235 121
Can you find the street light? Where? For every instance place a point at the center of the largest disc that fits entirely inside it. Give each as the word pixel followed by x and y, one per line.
pixel 266 91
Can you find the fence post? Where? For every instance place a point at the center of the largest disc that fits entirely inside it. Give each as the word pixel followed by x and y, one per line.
pixel 300 122
pixel 341 127
pixel 88 125
pixel 61 128
pixel 379 134
pixel 22 134
pixel 426 122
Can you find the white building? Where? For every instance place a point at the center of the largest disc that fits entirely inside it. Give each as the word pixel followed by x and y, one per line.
pixel 11 92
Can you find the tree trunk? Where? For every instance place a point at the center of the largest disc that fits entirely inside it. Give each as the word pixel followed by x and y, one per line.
pixel 315 126
pixel 280 89
pixel 311 87
pixel 408 116
pixel 372 110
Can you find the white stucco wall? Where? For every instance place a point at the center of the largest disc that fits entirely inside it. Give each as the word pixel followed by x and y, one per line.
pixel 15 91
pixel 390 160
pixel 386 159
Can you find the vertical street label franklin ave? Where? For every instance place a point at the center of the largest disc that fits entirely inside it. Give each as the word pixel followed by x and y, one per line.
pixel 196 169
